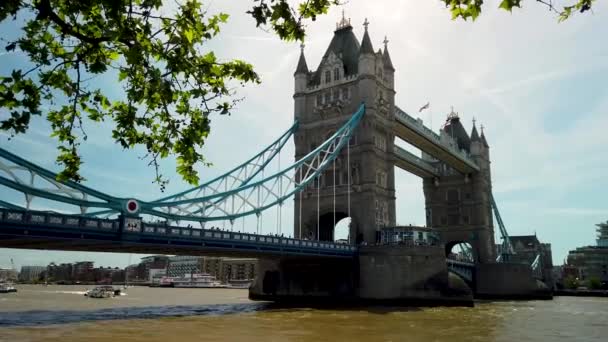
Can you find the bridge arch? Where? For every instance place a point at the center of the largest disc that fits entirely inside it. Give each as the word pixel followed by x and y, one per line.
pixel 327 227
pixel 461 250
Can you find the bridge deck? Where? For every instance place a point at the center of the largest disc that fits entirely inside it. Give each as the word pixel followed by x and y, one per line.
pixel 41 230
pixel 415 133
pixel 413 164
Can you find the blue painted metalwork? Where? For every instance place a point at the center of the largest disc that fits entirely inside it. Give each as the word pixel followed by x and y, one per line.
pixel 506 248
pixel 206 207
pixel 255 197
pixel 464 269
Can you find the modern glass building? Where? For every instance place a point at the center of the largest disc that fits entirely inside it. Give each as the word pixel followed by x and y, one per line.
pixel 592 261
pixel 602 234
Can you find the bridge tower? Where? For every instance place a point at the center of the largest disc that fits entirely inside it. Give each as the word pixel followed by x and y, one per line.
pixel 349 73
pixel 460 205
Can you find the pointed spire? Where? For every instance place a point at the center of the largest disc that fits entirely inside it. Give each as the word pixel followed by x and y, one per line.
pixel 388 64
pixel 366 43
pixel 302 66
pixel 343 23
pixel 483 138
pixel 474 134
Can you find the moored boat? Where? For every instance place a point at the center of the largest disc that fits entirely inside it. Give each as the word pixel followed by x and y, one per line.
pixel 202 280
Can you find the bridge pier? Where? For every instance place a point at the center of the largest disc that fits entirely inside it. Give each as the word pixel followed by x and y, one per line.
pixel 508 281
pixel 394 275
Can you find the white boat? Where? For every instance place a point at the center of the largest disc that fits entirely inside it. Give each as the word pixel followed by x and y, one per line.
pixel 102 292
pixel 202 280
pixel 7 288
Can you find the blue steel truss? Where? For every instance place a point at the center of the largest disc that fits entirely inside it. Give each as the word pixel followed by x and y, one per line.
pixel 506 249
pixel 232 179
pixel 236 194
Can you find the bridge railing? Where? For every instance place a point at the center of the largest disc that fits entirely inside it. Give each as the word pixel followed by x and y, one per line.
pixel 421 129
pixel 53 220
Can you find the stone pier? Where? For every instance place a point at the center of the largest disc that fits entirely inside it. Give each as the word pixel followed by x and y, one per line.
pixel 394 275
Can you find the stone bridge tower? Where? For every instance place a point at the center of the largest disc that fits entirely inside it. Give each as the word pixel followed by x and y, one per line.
pixel 349 73
pixel 460 205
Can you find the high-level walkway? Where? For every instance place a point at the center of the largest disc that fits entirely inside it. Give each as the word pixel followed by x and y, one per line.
pixel 422 137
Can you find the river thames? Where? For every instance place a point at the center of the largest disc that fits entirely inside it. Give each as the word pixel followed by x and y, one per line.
pixel 63 313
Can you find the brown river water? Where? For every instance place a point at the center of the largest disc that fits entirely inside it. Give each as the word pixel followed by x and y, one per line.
pixel 62 313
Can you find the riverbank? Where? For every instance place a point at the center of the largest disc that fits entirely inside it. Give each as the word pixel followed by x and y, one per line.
pixel 581 293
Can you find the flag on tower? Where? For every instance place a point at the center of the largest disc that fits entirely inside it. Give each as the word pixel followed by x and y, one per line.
pixel 426 106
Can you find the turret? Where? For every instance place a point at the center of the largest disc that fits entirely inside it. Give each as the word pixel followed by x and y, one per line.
pixel 476 143
pixel 367 57
pixel 389 69
pixel 301 73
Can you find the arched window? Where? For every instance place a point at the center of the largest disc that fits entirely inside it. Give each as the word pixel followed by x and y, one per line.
pixel 336 74
pixel 327 76
pixel 344 93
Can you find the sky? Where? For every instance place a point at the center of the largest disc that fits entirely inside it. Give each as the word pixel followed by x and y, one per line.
pixel 536 85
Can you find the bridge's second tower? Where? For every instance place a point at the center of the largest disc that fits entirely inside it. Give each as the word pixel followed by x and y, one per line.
pixel 349 73
pixel 460 205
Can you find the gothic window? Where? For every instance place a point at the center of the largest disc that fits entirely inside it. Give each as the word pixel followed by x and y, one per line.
pixel 327 76
pixel 344 93
pixel 380 141
pixel 354 174
pixel 381 179
pixel 336 74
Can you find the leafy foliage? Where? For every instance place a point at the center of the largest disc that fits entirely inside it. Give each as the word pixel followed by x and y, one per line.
pixel 172 84
pixel 571 282
pixel 594 283
pixel 466 9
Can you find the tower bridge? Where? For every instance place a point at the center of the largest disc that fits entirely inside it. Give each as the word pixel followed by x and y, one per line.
pixel 345 126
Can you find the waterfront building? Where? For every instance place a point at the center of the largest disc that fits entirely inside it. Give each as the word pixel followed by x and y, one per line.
pixel 592 261
pixel 107 275
pixel 30 274
pixel 237 269
pixel 61 273
pixel 181 265
pixel 8 274
pixel 602 234
pixel 82 271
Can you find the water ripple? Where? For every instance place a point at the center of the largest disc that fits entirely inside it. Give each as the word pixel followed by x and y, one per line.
pixel 46 317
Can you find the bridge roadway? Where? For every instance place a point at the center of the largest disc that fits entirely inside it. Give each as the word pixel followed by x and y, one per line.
pixel 53 231
pixel 415 133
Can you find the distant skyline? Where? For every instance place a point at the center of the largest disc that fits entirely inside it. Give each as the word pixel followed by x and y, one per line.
pixel 537 86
